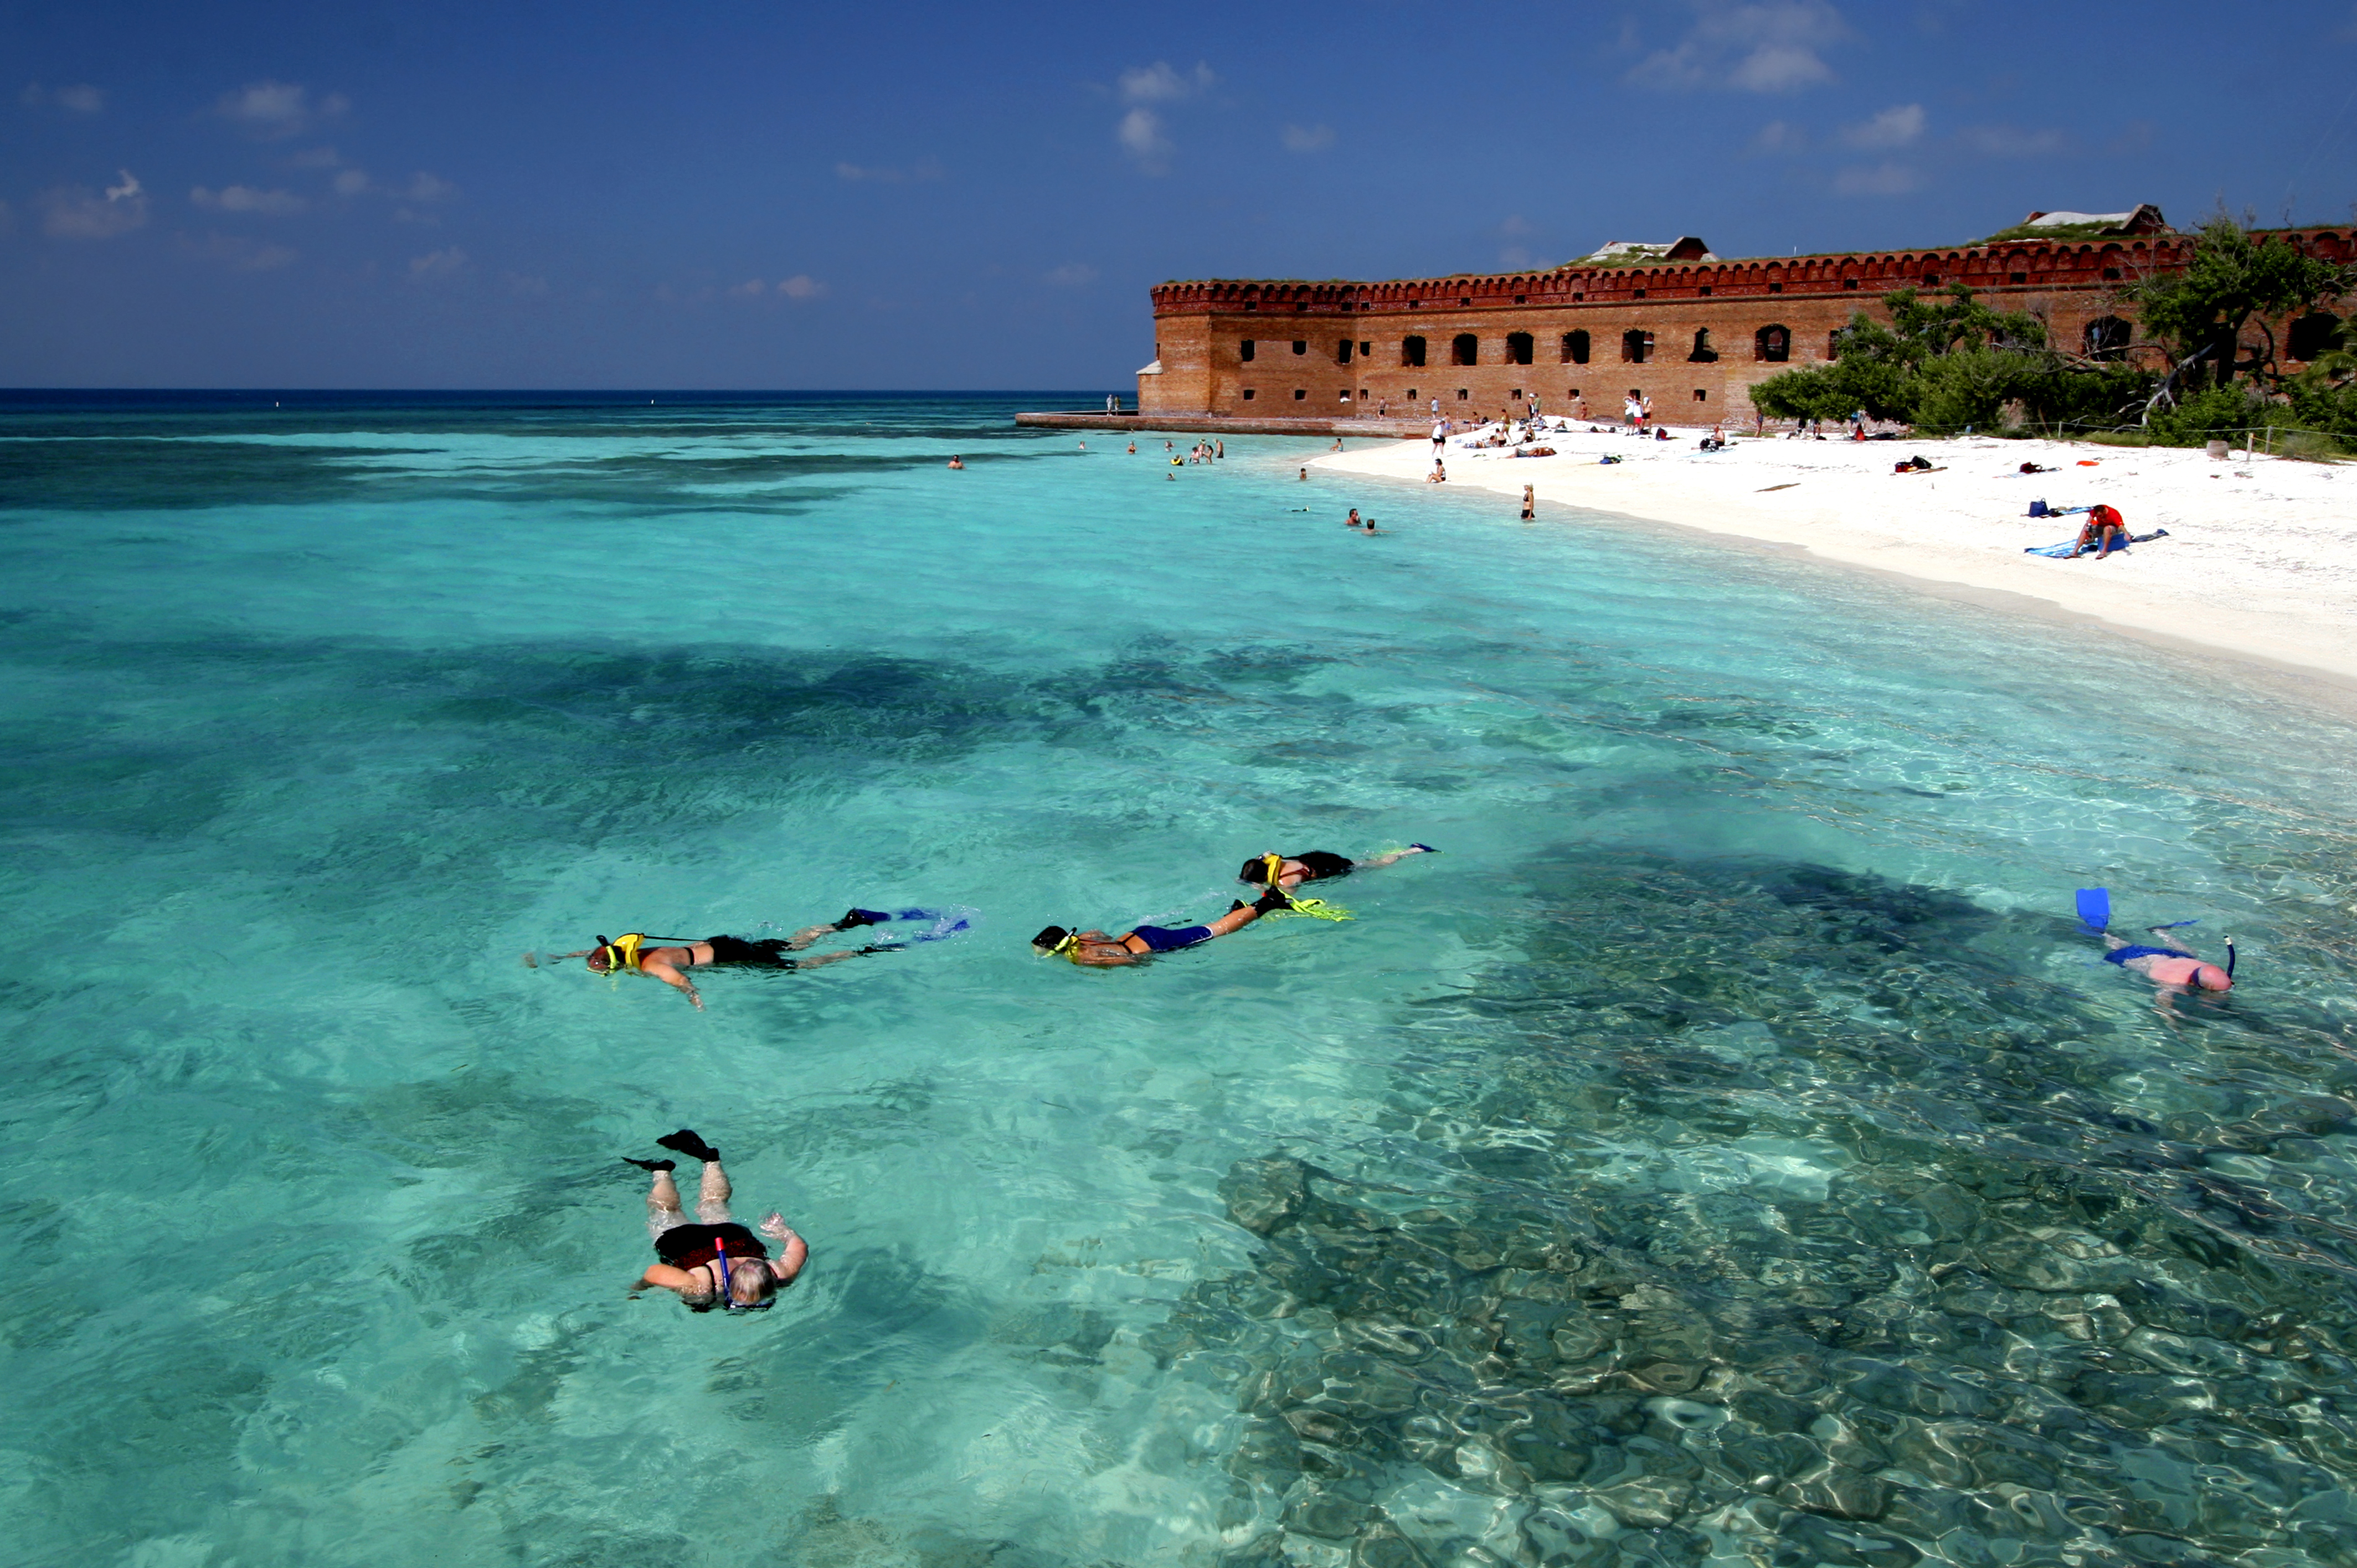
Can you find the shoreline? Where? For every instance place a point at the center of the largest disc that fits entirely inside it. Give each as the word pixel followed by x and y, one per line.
pixel 2260 564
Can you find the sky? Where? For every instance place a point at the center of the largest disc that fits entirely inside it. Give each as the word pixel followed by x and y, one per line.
pixel 725 195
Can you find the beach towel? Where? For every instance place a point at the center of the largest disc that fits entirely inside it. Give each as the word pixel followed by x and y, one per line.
pixel 2062 552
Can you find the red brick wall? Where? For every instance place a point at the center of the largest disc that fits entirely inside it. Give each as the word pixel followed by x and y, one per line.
pixel 1200 326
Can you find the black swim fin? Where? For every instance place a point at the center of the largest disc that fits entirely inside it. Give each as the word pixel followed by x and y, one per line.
pixel 857 917
pixel 688 1143
pixel 652 1164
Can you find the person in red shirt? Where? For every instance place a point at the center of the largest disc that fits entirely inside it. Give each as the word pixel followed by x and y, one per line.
pixel 2104 527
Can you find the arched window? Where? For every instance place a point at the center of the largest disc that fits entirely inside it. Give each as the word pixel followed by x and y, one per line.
pixel 1636 345
pixel 2106 338
pixel 1703 353
pixel 1773 344
pixel 1411 352
pixel 1465 349
pixel 1518 347
pixel 2310 335
pixel 1575 348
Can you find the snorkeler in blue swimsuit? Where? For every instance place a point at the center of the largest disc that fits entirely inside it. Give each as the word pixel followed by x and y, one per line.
pixel 1097 950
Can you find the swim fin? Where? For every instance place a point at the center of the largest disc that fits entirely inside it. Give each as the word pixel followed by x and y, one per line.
pixel 857 917
pixel 2095 908
pixel 652 1164
pixel 688 1143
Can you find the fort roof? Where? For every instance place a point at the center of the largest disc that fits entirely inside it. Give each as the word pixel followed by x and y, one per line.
pixel 2032 262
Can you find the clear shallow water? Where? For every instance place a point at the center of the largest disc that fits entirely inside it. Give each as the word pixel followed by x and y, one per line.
pixel 1727 1150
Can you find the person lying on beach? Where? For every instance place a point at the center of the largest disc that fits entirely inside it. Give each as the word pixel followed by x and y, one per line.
pixel 2033 469
pixel 630 954
pixel 1095 949
pixel 1319 865
pixel 716 1262
pixel 2103 526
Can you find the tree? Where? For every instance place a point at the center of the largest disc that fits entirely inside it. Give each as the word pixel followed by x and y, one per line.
pixel 2233 278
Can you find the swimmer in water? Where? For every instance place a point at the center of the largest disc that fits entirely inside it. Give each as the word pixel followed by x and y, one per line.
pixel 1319 865
pixel 630 953
pixel 957 462
pixel 2172 967
pixel 716 1262
pixel 1097 950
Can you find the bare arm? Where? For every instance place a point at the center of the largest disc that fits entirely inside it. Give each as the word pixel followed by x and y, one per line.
pixel 792 1250
pixel 1383 860
pixel 664 1277
pixel 671 977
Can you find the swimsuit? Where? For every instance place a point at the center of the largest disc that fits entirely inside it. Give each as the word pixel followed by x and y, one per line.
pixel 689 1246
pixel 2122 955
pixel 768 953
pixel 1166 939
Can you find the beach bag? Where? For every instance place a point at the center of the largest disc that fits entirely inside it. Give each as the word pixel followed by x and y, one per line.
pixel 2037 509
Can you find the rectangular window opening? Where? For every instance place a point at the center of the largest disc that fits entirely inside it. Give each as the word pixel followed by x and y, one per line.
pixel 1248 394
pixel 1298 394
pixel 1701 396
pixel 1775 289
pixel 1300 346
pixel 1244 351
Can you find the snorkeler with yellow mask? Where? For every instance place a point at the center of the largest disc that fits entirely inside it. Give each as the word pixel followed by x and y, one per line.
pixel 1097 950
pixel 669 959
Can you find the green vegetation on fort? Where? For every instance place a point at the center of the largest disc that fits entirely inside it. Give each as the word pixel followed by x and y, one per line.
pixel 1945 362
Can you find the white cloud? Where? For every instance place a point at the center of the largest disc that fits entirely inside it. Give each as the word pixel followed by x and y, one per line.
pixel 447 262
pixel 802 286
pixel 1895 127
pixel 1513 258
pixel 1141 133
pixel 76 212
pixel 1157 83
pixel 2012 142
pixel 351 182
pixel 241 254
pixel 1073 274
pixel 923 168
pixel 273 110
pixel 423 186
pixel 1780 136
pixel 751 289
pixel 1515 223
pixel 1884 179
pixel 245 198
pixel 80 99
pixel 1752 46
pixel 1308 138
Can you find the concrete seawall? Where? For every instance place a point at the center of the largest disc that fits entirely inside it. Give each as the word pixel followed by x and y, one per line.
pixel 1229 425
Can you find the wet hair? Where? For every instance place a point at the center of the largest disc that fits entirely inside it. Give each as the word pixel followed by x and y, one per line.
pixel 751 1281
pixel 1050 938
pixel 1255 870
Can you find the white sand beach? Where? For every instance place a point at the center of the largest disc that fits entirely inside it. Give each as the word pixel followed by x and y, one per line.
pixel 2260 561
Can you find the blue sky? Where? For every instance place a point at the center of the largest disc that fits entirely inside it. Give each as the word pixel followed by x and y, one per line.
pixel 730 196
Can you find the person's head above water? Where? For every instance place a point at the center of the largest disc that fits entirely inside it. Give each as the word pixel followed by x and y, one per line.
pixel 751 1288
pixel 1052 940
pixel 2208 977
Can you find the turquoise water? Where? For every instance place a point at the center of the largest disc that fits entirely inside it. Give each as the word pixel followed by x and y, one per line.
pixel 1727 1150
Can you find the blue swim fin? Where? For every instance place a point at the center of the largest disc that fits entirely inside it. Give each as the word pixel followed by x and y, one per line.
pixel 2095 908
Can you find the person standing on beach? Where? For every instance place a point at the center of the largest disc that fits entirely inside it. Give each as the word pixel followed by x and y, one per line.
pixel 1439 434
pixel 1645 408
pixel 716 1262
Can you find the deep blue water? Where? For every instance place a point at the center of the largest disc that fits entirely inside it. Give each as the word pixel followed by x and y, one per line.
pixel 1727 1149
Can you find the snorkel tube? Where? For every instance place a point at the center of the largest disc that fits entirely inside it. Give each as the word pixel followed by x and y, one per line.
pixel 2230 958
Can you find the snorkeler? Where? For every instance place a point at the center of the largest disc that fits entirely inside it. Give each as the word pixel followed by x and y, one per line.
pixel 2174 965
pixel 629 954
pixel 1097 950
pixel 716 1262
pixel 1319 865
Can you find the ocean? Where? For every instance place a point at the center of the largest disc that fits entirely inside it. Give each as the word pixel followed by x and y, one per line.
pixel 1729 1149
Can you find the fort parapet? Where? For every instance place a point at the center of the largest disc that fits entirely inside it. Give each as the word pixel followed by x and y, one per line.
pixel 1693 334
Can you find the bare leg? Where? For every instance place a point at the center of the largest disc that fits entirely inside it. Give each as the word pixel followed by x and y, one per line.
pixel 663 1205
pixel 712 1195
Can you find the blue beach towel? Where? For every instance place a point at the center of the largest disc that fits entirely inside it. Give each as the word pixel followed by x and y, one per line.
pixel 2062 552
